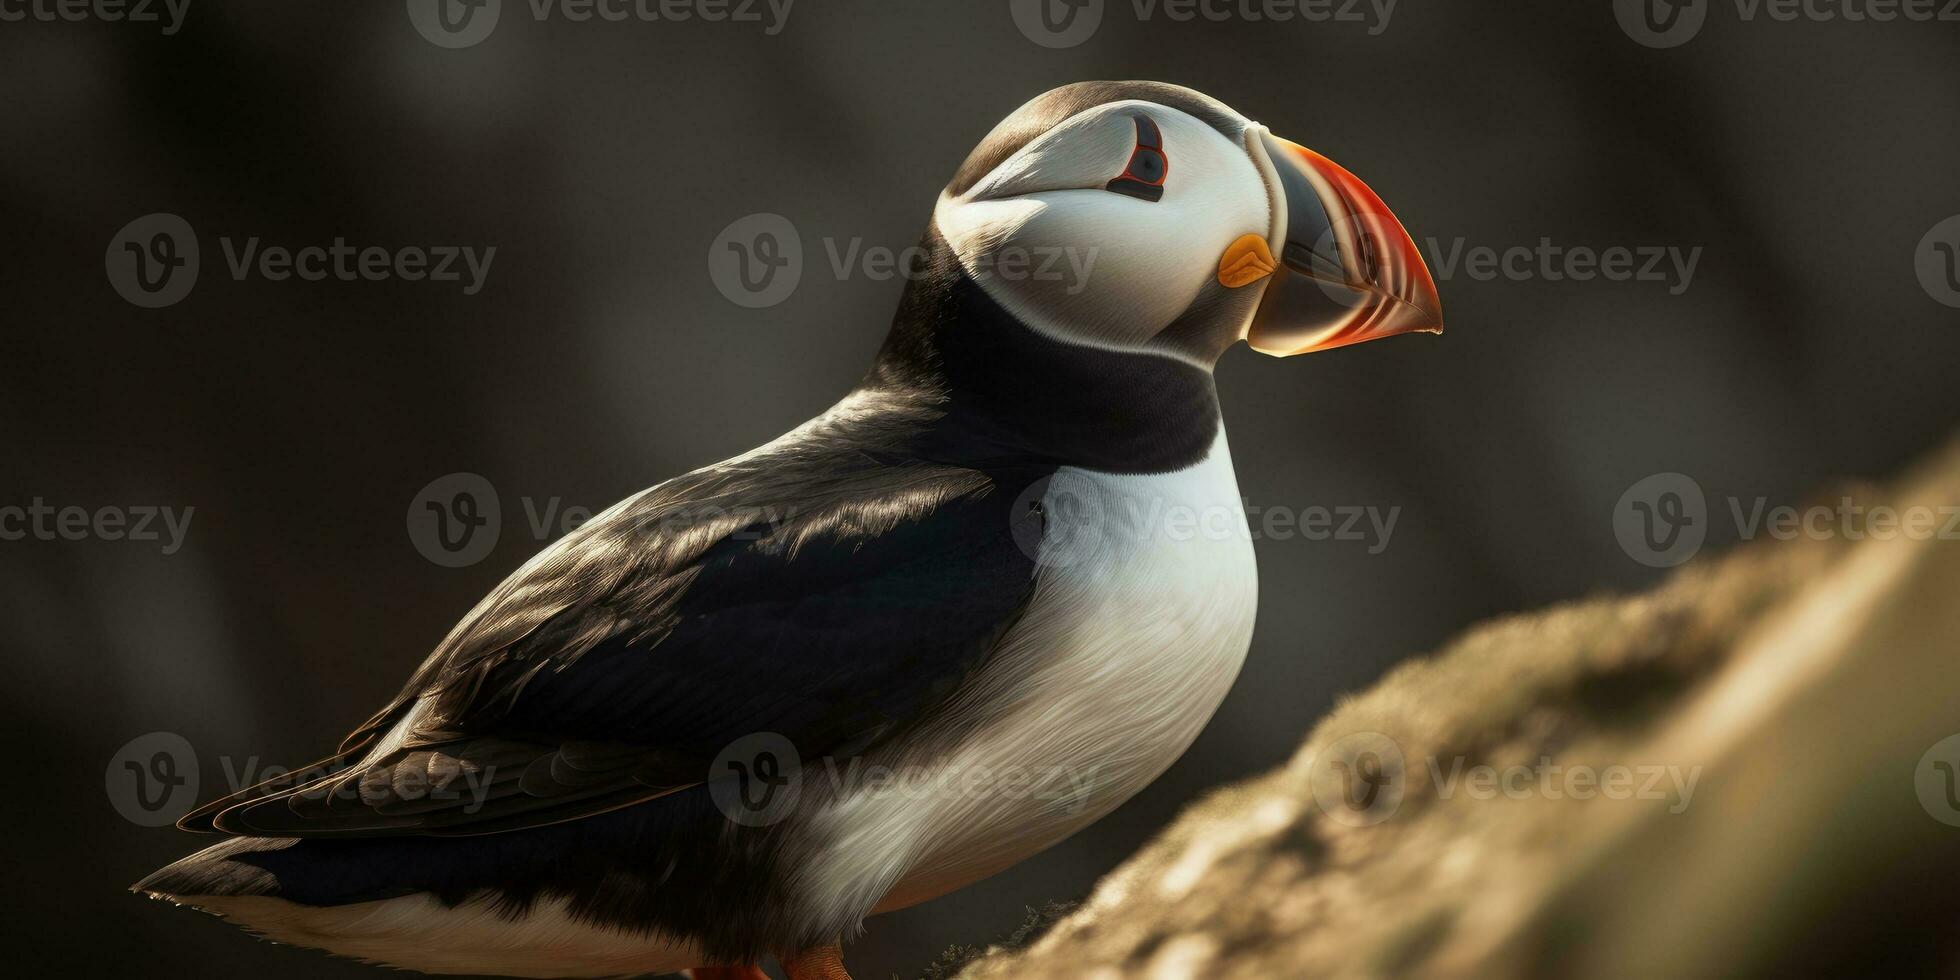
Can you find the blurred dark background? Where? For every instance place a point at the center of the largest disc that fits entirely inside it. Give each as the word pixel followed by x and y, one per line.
pixel 299 419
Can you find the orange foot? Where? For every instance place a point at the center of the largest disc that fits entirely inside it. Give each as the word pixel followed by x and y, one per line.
pixel 750 972
pixel 816 963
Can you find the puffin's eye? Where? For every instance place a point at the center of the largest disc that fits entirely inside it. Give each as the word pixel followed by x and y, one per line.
pixel 1144 177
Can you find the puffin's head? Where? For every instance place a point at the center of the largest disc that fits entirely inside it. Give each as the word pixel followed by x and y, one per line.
pixel 1140 216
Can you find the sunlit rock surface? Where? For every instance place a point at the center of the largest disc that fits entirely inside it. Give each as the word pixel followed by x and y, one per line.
pixel 1739 774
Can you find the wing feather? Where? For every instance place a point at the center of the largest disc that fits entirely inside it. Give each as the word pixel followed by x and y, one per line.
pixel 831 597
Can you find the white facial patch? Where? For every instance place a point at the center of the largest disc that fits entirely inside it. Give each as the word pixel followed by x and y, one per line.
pixel 1086 265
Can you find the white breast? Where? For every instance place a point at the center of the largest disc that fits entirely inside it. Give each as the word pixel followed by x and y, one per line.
pixel 1141 617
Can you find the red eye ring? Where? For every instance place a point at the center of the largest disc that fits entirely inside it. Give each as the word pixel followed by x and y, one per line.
pixel 1147 166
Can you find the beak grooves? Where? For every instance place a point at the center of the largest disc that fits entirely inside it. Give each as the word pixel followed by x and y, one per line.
pixel 1349 271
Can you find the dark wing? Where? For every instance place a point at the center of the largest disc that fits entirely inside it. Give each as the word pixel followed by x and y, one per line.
pixel 824 596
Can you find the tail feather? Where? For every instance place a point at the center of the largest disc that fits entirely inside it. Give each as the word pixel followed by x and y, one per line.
pixel 414 930
pixel 212 873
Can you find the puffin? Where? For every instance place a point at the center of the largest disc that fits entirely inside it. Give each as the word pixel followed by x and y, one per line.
pixel 917 639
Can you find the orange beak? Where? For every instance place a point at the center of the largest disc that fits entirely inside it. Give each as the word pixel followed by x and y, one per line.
pixel 1348 271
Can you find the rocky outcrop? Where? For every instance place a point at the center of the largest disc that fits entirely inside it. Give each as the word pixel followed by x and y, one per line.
pixel 1749 771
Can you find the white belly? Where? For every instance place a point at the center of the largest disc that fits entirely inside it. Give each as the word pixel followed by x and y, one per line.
pixel 1141 617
